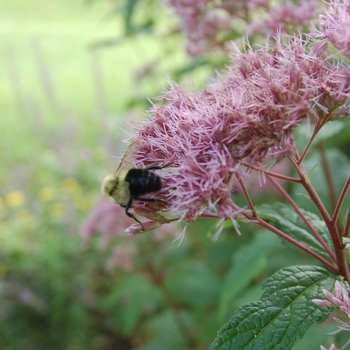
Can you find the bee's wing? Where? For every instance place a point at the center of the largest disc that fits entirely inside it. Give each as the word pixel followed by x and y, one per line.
pixel 127 161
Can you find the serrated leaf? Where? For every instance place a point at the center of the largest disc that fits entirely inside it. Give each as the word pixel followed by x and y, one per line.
pixel 319 225
pixel 246 264
pixel 287 220
pixel 282 315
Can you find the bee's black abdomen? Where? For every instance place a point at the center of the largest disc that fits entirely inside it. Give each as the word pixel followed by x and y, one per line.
pixel 142 181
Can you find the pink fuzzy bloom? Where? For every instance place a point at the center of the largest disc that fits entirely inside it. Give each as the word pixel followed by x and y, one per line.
pixel 209 24
pixel 107 219
pixel 122 257
pixel 335 24
pixel 340 300
pixel 285 17
pixel 202 21
pixel 248 115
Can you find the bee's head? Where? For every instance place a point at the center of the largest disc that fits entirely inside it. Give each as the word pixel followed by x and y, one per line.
pixel 109 184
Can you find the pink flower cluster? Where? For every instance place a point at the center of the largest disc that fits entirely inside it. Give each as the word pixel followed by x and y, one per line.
pixel 108 221
pixel 335 24
pixel 247 117
pixel 285 18
pixel 201 23
pixel 340 300
pixel 209 24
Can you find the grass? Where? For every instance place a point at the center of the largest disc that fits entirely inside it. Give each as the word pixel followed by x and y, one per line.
pixel 52 131
pixel 63 110
pixel 56 89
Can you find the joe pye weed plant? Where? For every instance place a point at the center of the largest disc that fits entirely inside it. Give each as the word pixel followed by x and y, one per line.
pixel 209 142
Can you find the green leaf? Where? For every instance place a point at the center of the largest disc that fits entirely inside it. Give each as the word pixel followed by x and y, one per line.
pixel 339 166
pixel 346 241
pixel 246 264
pixel 330 130
pixel 165 332
pixel 129 10
pixel 282 315
pixel 128 301
pixel 193 284
pixel 287 220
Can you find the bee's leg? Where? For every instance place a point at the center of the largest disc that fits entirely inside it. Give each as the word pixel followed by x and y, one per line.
pixel 153 168
pixel 151 200
pixel 130 215
pixel 156 167
pixel 147 199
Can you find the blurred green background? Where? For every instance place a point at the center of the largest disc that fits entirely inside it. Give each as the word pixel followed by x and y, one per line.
pixel 69 276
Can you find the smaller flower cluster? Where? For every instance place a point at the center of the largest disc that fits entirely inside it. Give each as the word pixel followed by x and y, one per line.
pixel 340 300
pixel 108 221
pixel 202 23
pixel 209 24
pixel 335 24
pixel 286 18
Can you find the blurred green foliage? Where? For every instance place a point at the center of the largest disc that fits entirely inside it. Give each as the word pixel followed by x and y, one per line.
pixel 63 105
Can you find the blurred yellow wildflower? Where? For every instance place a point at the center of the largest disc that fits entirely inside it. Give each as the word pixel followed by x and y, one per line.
pixel 57 209
pixel 82 203
pixel 71 185
pixel 25 217
pixel 15 198
pixel 46 194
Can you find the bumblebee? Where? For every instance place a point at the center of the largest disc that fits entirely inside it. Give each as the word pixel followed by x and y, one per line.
pixel 128 183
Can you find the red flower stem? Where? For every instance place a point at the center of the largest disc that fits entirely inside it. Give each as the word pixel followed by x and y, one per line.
pixel 347 225
pixel 247 196
pixel 271 173
pixel 302 216
pixel 291 240
pixel 332 228
pixel 318 126
pixel 211 216
pixel 284 236
pixel 307 147
pixel 340 200
pixel 327 174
